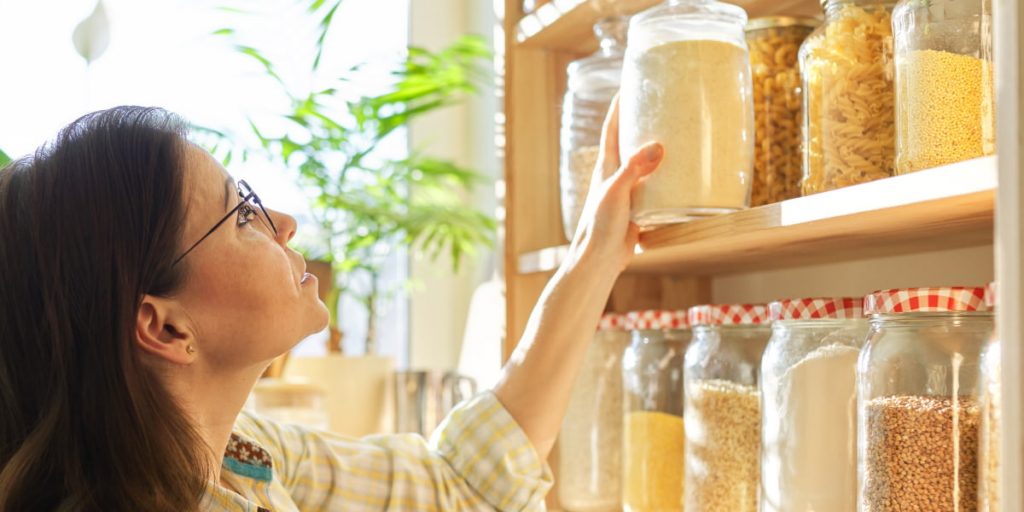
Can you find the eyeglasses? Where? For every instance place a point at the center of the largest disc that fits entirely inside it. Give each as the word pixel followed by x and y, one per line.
pixel 249 208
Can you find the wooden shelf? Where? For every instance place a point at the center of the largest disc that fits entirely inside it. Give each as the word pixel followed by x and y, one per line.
pixel 565 25
pixel 940 208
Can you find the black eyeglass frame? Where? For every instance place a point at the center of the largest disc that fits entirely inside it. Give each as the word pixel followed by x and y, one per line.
pixel 247 195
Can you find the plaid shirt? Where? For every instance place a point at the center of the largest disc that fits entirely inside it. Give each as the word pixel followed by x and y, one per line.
pixel 478 459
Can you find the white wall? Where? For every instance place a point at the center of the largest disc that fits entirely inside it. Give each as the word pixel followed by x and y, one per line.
pixel 465 134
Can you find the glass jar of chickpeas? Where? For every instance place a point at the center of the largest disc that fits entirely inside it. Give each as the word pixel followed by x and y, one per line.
pixel 945 101
pixel 849 117
pixel 778 105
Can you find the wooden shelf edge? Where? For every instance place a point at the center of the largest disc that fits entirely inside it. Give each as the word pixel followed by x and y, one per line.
pixel 946 207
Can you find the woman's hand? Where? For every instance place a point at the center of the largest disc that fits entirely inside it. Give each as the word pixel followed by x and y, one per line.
pixel 538 379
pixel 605 233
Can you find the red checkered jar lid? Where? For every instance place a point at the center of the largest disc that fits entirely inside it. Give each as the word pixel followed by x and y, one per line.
pixel 990 295
pixel 613 322
pixel 816 309
pixel 926 300
pixel 729 314
pixel 650 320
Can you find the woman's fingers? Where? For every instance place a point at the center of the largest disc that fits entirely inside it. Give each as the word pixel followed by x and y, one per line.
pixel 643 162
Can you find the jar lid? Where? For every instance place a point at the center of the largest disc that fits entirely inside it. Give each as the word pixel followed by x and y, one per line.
pixel 920 300
pixel 817 308
pixel 781 22
pixel 612 322
pixel 649 320
pixel 729 314
pixel 990 295
pixel 680 319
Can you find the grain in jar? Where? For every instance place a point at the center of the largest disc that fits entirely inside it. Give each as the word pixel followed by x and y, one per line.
pixel 686 83
pixel 590 444
pixel 652 372
pixel 723 413
pixel 849 110
pixel 778 106
pixel 918 410
pixel 945 108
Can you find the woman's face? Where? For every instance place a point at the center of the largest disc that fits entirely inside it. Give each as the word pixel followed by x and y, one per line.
pixel 246 293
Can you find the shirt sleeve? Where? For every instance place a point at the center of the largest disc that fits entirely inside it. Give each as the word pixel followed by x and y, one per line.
pixel 478 459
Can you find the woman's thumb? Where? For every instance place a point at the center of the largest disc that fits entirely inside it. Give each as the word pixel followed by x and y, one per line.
pixel 643 162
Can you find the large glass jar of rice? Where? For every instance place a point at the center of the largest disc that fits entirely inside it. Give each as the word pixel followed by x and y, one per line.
pixel 593 82
pixel 944 88
pixel 849 111
pixel 686 83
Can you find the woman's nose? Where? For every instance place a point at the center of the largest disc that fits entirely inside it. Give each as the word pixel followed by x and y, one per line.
pixel 285 224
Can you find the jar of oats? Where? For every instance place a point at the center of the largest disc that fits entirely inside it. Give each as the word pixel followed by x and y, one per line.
pixel 989 465
pixel 590 444
pixel 778 105
pixel 945 94
pixel 592 83
pixel 652 373
pixel 723 410
pixel 686 83
pixel 918 411
pixel 849 112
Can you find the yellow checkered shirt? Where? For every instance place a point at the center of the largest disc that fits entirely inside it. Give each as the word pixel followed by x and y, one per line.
pixel 478 459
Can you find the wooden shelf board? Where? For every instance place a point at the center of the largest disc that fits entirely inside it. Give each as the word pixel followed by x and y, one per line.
pixel 942 208
pixel 566 25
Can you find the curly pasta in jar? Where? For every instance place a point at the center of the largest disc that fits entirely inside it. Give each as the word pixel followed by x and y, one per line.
pixel 778 105
pixel 849 114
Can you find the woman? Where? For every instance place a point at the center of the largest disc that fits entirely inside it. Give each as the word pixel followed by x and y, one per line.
pixel 142 294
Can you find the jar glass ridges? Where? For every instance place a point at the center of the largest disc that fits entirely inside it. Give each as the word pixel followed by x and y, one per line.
pixel 592 83
pixel 686 83
pixel 917 411
pixel 652 373
pixel 778 105
pixel 723 416
pixel 590 445
pixel 849 111
pixel 808 396
pixel 945 101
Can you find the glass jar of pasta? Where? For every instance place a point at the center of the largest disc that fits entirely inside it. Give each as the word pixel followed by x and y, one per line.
pixel 686 84
pixel 989 458
pixel 849 126
pixel 723 410
pixel 945 94
pixel 809 398
pixel 593 82
pixel 778 105
pixel 590 444
pixel 917 405
pixel 652 373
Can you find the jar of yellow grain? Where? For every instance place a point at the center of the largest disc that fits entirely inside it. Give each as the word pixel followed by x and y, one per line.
pixel 652 373
pixel 849 112
pixel 778 105
pixel 945 95
pixel 723 409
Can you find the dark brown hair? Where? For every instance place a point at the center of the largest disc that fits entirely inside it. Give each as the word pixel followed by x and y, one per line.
pixel 89 224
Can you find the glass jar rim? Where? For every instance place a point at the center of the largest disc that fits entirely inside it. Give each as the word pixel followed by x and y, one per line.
pixel 768 22
pixel 710 10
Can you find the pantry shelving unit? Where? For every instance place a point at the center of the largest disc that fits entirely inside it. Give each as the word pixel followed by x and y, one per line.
pixel 977 203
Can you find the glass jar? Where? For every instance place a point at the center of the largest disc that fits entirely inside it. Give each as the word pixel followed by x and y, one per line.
pixel 652 372
pixel 593 82
pixel 917 407
pixel 809 402
pixel 778 105
pixel 723 410
pixel 590 444
pixel 989 466
pixel 849 127
pixel 945 95
pixel 686 83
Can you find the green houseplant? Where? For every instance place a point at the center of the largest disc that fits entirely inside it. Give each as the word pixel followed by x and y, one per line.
pixel 363 204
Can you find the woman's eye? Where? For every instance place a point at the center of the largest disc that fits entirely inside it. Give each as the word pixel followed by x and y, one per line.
pixel 246 213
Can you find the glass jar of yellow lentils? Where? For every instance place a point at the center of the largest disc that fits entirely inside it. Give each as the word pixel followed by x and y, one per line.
pixel 945 101
pixel 774 44
pixel 652 376
pixel 849 125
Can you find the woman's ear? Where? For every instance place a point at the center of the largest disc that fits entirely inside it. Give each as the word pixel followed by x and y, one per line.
pixel 161 330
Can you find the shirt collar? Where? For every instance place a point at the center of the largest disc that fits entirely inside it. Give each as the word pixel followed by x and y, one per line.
pixel 245 457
